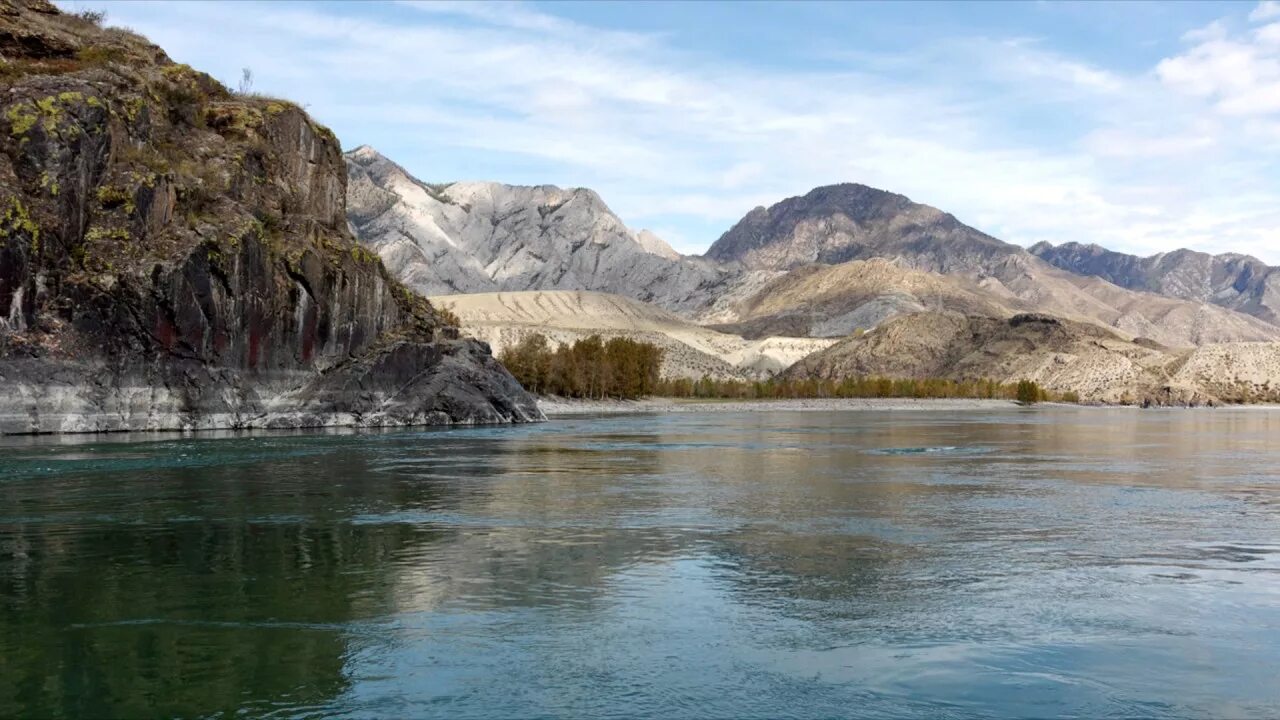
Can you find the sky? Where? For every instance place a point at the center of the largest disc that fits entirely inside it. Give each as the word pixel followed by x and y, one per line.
pixel 1142 127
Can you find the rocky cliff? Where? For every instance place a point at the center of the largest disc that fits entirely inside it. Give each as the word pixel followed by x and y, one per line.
pixel 1234 281
pixel 485 237
pixel 176 256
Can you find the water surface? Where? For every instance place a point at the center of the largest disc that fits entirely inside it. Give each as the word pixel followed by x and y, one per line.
pixel 1097 563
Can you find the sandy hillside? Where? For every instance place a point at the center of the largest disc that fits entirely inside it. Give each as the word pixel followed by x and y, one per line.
pixel 836 300
pixel 1061 355
pixel 1235 371
pixel 502 319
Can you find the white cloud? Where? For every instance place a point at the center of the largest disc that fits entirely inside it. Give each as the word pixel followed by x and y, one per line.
pixel 1240 72
pixel 1021 57
pixel 1027 142
pixel 1127 143
pixel 1266 10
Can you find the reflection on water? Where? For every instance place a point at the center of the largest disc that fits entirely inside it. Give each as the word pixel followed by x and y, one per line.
pixel 1024 563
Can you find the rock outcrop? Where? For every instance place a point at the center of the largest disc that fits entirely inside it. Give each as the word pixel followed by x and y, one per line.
pixel 1237 282
pixel 176 256
pixel 472 237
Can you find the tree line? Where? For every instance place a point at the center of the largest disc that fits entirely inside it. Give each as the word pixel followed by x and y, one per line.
pixel 589 368
pixel 1024 391
pixel 621 368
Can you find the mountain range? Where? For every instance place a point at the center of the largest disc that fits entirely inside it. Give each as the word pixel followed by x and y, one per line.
pixel 484 237
pixel 837 261
pixel 1234 281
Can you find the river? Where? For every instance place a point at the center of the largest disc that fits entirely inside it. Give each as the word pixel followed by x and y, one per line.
pixel 1000 563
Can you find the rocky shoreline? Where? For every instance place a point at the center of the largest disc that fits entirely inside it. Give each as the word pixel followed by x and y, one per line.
pixel 400 385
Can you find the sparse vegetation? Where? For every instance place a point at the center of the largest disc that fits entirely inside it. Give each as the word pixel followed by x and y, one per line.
pixel 111 197
pixel 361 254
pixel 447 316
pixel 183 95
pixel 95 17
pixel 22 117
pixel 246 82
pixel 16 220
pixel 96 55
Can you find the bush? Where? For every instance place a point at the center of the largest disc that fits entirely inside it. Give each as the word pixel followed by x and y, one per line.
pixel 446 314
pixel 1029 393
pixel 96 17
pixel 95 55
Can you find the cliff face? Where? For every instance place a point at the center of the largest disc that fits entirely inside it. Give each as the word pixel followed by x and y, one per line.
pixel 173 255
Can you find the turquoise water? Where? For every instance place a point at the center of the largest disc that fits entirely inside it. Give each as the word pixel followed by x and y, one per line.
pixel 1039 562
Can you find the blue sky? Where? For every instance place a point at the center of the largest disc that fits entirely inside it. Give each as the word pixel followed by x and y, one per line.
pixel 1144 127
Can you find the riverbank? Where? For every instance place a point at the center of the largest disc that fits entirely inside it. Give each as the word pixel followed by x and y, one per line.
pixel 562 407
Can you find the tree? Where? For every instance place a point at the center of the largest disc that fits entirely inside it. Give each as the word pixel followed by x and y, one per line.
pixel 1029 393
pixel 589 368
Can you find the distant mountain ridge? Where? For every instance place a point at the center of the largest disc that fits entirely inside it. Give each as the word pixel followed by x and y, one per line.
pixel 1239 282
pixel 840 224
pixel 836 259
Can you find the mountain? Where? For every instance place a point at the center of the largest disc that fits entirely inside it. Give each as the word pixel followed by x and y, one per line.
pixel 176 256
pixel 1061 355
pixel 838 224
pixel 692 351
pixel 470 237
pixel 1238 282
pixel 837 300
